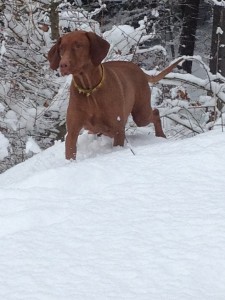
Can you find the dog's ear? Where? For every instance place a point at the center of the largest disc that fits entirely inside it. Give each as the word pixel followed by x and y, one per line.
pixel 53 55
pixel 98 48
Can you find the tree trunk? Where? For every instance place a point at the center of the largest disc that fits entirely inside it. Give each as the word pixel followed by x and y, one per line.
pixel 190 10
pixel 54 20
pixel 217 57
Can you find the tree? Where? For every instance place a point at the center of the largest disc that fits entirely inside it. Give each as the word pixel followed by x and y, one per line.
pixel 217 56
pixel 190 10
pixel 54 20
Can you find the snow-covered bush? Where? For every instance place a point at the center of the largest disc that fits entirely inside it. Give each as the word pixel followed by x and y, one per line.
pixel 193 105
pixel 25 81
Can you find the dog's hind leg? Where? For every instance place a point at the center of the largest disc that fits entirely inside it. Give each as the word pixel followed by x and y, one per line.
pixel 157 123
pixel 147 116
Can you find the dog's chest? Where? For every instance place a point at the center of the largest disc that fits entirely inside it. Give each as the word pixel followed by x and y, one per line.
pixel 100 114
pixel 101 121
pixel 96 122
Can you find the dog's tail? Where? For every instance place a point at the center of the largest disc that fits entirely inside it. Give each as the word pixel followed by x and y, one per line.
pixel 163 73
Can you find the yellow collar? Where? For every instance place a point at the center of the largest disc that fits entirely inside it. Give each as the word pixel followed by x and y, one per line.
pixel 88 92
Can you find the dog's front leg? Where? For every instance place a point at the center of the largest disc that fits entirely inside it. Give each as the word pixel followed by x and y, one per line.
pixel 119 138
pixel 73 130
pixel 71 147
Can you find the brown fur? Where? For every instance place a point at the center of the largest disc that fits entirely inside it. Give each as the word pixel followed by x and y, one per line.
pixel 124 89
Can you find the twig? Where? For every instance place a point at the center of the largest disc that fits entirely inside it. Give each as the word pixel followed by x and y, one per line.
pixel 129 146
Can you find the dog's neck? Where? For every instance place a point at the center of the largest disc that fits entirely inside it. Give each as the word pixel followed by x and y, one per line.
pixel 88 82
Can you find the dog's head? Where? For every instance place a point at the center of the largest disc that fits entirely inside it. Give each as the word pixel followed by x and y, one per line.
pixel 76 50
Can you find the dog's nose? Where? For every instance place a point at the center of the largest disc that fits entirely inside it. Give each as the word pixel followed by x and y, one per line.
pixel 63 65
pixel 64 68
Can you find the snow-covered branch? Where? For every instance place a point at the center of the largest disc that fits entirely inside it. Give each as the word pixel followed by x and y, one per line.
pixel 216 2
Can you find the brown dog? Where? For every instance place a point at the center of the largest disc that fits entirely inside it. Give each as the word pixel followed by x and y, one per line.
pixel 102 96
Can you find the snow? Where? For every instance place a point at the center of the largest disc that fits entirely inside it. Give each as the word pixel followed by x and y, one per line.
pixel 2 50
pixel 11 119
pixel 123 37
pixel 219 30
pixel 32 146
pixel 155 13
pixel 2 108
pixel 114 225
pixel 217 2
pixel 4 144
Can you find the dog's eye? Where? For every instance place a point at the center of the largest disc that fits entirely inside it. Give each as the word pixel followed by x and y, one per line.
pixel 77 46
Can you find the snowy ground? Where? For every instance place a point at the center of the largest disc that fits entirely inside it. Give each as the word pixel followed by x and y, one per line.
pixel 116 225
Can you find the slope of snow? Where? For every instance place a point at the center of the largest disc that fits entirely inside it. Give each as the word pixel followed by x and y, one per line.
pixel 114 225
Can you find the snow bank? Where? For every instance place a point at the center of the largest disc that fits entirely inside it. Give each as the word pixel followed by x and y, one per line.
pixel 114 225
